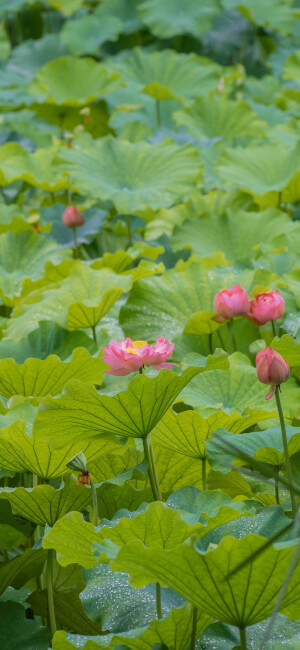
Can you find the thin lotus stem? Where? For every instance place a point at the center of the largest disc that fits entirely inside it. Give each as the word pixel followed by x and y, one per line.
pixel 129 230
pixel 194 628
pixel 243 640
pixel 231 336
pixel 273 328
pixel 150 473
pixel 152 457
pixel 157 111
pixel 286 451
pixel 210 345
pixel 49 579
pixel 158 600
pixel 220 339
pixel 203 461
pixel 141 370
pixel 95 502
pixel 279 199
pixel 94 333
pixel 277 488
pixel 75 243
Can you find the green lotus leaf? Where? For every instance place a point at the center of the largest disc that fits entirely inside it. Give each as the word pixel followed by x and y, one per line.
pixel 172 631
pixel 82 284
pixel 201 323
pixel 35 168
pixel 31 54
pixel 259 169
pixel 213 116
pixel 112 498
pixel 172 18
pixel 52 215
pixel 82 412
pixel 236 390
pixel 272 14
pixel 19 631
pixel 68 608
pixel 21 452
pixel 22 568
pixel 288 348
pixel 70 81
pixel 12 532
pixel 133 176
pixel 23 255
pixel 172 298
pixel 67 7
pixel 86 34
pixel 36 378
pixel 236 234
pixel 82 315
pixel 291 67
pixel 205 580
pixel 44 504
pixel 264 446
pixel 166 74
pixel 47 339
pixel 126 10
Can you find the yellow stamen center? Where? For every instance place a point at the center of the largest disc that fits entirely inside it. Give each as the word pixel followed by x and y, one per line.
pixel 136 344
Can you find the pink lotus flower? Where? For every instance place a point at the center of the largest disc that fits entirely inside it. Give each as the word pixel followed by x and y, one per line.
pixel 265 307
pixel 129 356
pixel 72 217
pixel 271 369
pixel 232 302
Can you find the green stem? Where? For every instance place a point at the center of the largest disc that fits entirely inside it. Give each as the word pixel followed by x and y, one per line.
pixel 49 578
pixel 273 328
pixel 152 457
pixel 203 461
pixel 286 451
pixel 75 243
pixel 277 488
pixel 220 339
pixel 157 111
pixel 210 346
pixel 150 474
pixel 279 199
pixel 94 334
pixel 129 230
pixel 194 628
pixel 243 640
pixel 95 502
pixel 141 370
pixel 158 600
pixel 231 336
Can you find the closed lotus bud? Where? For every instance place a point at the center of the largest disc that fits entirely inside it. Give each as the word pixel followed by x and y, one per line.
pixel 72 217
pixel 271 369
pixel 265 307
pixel 232 302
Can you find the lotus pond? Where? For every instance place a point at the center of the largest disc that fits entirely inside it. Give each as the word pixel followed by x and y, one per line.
pixel 150 324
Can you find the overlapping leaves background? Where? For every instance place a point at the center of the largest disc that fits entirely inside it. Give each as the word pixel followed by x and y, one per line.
pixel 174 127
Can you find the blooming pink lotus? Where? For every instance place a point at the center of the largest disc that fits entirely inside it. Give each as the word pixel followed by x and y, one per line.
pixel 72 217
pixel 271 369
pixel 129 356
pixel 266 307
pixel 232 302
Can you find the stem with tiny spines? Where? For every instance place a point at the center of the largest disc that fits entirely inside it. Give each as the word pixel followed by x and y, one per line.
pixel 95 502
pixel 49 579
pixel 243 639
pixel 94 334
pixel 152 458
pixel 273 328
pixel 150 473
pixel 286 451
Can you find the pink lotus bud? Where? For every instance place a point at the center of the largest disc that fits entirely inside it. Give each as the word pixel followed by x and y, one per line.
pixel 129 356
pixel 72 217
pixel 271 369
pixel 232 302
pixel 265 307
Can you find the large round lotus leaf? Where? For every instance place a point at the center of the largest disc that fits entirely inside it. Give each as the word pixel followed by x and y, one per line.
pixel 184 75
pixel 237 233
pixel 72 82
pixel 35 168
pixel 205 579
pixel 32 54
pixel 161 306
pixel 24 255
pixel 276 15
pixel 291 67
pixel 213 116
pixel 288 349
pixel 86 34
pixel 132 176
pixel 172 17
pixel 259 169
pixel 236 390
